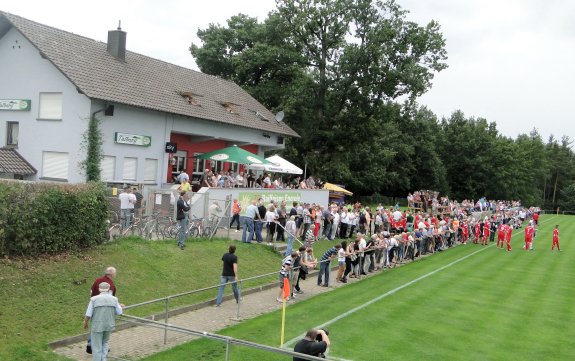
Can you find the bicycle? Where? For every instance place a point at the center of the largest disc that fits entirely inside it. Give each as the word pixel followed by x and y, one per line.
pixel 114 228
pixel 197 228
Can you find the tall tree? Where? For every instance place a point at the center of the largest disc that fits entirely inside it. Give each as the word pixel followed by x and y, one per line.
pixel 333 65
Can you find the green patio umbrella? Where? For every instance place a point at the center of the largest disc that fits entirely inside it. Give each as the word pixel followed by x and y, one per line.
pixel 233 154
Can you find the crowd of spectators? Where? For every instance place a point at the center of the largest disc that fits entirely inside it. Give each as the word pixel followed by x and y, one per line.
pixel 381 238
pixel 230 179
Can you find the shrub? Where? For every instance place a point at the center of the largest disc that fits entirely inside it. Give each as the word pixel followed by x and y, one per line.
pixel 39 218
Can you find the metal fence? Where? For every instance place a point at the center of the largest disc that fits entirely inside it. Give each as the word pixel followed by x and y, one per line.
pixel 229 342
pixel 215 214
pixel 137 336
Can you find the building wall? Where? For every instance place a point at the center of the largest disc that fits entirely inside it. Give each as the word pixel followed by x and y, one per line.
pixel 25 74
pixel 137 121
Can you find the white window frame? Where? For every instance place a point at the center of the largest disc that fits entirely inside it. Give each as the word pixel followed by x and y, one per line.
pixel 55 165
pixel 150 170
pixel 50 106
pixel 130 172
pixel 108 167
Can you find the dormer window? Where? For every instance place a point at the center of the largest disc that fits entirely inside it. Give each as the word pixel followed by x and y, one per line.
pixel 230 107
pixel 191 98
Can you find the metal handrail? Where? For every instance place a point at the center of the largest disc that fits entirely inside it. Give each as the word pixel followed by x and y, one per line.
pixel 228 340
pixel 196 291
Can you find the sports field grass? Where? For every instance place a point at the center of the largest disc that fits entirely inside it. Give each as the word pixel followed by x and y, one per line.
pixel 471 302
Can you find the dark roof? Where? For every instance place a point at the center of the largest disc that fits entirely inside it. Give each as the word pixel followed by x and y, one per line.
pixel 12 162
pixel 142 81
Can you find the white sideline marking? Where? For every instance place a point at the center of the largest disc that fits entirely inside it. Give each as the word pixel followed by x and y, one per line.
pixel 393 291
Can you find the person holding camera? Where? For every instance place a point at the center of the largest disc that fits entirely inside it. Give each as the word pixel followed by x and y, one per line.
pixel 315 343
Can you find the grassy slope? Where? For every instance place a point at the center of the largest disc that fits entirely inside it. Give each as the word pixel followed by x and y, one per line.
pixel 40 300
pixel 494 305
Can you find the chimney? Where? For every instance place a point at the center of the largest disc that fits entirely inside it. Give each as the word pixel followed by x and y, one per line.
pixel 117 43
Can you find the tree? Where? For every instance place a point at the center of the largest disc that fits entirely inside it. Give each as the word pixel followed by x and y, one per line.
pixel 333 66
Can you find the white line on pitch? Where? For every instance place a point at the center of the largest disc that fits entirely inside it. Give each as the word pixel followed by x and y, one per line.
pixel 393 291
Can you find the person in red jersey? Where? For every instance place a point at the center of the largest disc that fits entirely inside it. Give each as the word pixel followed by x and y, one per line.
pixel 477 232
pixel 465 232
pixel 501 235
pixel 508 232
pixel 536 218
pixel 486 231
pixel 529 231
pixel 556 239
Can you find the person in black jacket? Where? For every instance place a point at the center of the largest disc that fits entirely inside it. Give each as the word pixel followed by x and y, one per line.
pixel 182 217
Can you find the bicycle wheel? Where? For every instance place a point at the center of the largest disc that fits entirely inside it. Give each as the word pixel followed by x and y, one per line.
pixel 114 232
pixel 160 235
pixel 172 231
pixel 193 232
pixel 207 231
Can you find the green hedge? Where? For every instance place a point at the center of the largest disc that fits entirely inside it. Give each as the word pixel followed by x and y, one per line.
pixel 40 218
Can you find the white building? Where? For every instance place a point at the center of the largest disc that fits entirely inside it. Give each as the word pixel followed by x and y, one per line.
pixel 52 81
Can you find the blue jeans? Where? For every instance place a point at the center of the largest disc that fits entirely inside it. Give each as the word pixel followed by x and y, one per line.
pixel 323 269
pixel 100 345
pixel 248 227
pixel 327 231
pixel 223 281
pixel 259 227
pixel 182 231
pixel 289 245
pixel 126 215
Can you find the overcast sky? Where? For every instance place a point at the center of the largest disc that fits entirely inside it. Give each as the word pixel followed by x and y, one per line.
pixel 510 61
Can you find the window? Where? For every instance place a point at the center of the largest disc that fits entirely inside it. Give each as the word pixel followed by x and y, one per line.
pixel 199 164
pixel 50 106
pixel 150 170
pixel 55 165
pixel 12 133
pixel 108 166
pixel 233 167
pixel 130 168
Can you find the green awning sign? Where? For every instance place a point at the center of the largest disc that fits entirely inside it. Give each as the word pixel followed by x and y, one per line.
pixel 15 104
pixel 133 139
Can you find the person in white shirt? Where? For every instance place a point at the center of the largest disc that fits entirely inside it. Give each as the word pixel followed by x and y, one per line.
pixel 127 202
pixel 270 221
pixel 267 182
pixel 240 180
pixel 397 215
pixel 336 219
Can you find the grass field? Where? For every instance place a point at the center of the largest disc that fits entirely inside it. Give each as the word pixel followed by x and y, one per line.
pixel 469 303
pixel 42 300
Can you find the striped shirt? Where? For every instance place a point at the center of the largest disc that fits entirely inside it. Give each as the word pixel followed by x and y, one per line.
pixel 327 255
pixel 286 265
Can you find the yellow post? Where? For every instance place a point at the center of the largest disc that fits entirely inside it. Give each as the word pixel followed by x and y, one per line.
pixel 283 322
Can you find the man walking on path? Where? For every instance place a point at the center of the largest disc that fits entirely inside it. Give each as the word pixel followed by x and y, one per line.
pixel 236 209
pixel 556 238
pixel 108 277
pixel 229 274
pixel 101 311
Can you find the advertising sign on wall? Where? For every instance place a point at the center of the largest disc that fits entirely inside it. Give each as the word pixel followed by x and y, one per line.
pixel 133 139
pixel 245 198
pixel 15 104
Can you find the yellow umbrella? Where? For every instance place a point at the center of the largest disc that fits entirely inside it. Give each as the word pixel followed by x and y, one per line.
pixel 335 188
